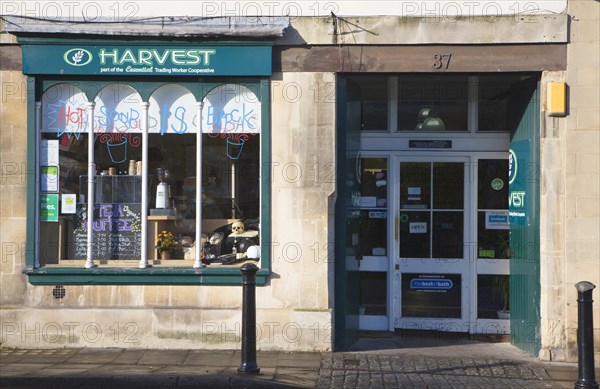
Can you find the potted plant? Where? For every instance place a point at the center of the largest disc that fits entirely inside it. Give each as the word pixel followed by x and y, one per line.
pixel 165 243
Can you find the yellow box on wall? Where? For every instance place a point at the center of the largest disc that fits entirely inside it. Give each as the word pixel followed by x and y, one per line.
pixel 556 99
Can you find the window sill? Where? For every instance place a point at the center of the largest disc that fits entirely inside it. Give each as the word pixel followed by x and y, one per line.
pixel 128 263
pixel 105 275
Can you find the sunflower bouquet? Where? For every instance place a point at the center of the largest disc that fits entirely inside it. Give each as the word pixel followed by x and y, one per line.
pixel 165 241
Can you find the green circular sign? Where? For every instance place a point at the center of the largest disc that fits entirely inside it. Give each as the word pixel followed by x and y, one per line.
pixel 404 218
pixel 497 183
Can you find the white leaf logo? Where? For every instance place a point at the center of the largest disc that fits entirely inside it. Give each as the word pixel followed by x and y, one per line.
pixel 78 57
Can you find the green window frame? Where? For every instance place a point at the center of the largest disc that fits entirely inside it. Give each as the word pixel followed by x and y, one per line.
pixel 164 275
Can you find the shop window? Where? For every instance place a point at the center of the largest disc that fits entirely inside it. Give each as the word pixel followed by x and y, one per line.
pixel 421 103
pixel 492 213
pixel 432 103
pixel 226 168
pixel 373 293
pixel 373 204
pixel 432 210
pixel 492 296
pixel 494 97
pixel 372 93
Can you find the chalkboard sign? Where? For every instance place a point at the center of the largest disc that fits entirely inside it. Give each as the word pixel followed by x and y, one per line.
pixel 117 231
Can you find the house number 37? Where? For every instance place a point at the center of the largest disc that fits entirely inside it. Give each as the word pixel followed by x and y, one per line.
pixel 441 61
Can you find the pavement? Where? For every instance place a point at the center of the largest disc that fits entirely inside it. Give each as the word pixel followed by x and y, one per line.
pixel 390 361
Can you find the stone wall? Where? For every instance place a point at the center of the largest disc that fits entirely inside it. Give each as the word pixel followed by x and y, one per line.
pixel 582 194
pixel 570 187
pixel 13 173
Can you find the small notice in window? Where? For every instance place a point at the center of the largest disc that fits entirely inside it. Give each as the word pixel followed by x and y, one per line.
pixel 414 190
pixel 68 204
pixel 49 178
pixel 49 207
pixel 49 152
pixel 496 220
pixel 417 228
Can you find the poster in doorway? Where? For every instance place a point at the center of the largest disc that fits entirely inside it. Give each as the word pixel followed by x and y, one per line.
pixel 431 295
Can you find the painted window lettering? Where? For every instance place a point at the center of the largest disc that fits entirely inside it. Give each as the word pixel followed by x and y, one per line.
pixel 233 120
pixel 109 117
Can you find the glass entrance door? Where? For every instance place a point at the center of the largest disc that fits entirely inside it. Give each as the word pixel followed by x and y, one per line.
pixel 431 229
pixel 450 244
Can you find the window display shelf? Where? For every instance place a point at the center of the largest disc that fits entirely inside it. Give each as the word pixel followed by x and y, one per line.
pixel 158 217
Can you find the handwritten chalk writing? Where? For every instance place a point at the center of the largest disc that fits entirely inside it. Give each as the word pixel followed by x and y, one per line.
pixel 68 115
pixel 232 120
pixel 119 137
pixel 111 217
pixel 116 231
pixel 64 118
pixel 109 210
pixel 183 128
pixel 235 145
pixel 110 224
pixel 178 115
pixel 125 120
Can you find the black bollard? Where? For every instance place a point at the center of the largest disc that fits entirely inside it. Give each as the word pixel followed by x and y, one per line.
pixel 248 365
pixel 585 337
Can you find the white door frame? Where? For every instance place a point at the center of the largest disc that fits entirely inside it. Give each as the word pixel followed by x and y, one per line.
pixel 499 266
pixel 433 265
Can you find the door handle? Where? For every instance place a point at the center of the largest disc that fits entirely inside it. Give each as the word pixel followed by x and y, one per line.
pixel 396 226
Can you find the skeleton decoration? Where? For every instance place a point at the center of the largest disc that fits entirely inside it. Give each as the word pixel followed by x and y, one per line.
pixel 237 228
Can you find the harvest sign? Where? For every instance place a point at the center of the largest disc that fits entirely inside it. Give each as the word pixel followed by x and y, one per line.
pixel 153 56
pixel 157 60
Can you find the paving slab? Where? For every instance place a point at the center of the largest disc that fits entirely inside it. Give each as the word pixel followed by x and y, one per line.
pixel 300 360
pixel 163 357
pixel 214 358
pixel 266 359
pixel 37 356
pixel 129 357
pixel 122 370
pixel 299 378
pixel 93 355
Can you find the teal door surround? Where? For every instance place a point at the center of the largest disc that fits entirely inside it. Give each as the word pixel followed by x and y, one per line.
pixel 524 216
